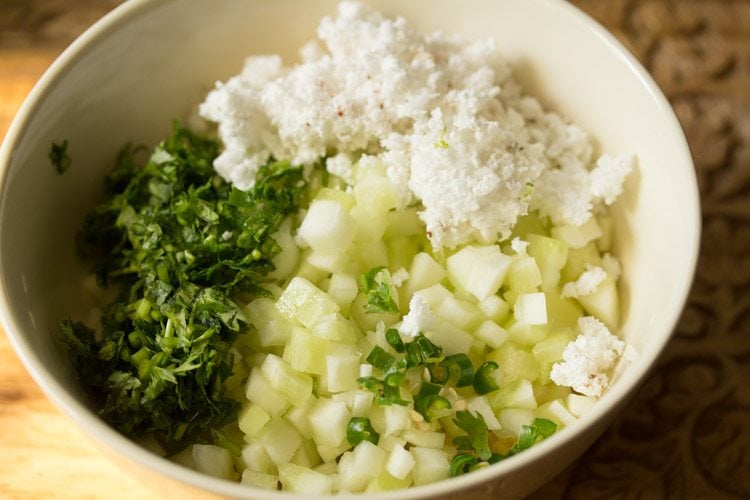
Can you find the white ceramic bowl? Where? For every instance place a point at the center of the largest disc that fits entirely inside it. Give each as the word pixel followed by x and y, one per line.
pixel 149 61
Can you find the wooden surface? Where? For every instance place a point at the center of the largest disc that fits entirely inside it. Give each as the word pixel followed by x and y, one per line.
pixel 687 433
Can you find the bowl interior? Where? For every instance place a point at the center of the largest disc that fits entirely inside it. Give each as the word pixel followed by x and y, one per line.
pixel 150 62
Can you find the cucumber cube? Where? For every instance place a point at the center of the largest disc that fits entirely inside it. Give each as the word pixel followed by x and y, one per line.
pixel 251 419
pixel 578 259
pixel 280 440
pixel 213 460
pixel 425 439
pixel 368 226
pixel 556 412
pixel 527 335
pixel 451 339
pixel 361 466
pixel 375 194
pixel 400 462
pixel 550 256
pixel 424 272
pixel 346 200
pixel 342 371
pixel 604 304
pixel 517 395
pixel 327 262
pixel 303 301
pixel 306 352
pixel 495 308
pixel 273 328
pixel 578 404
pixel 515 363
pixel 298 479
pixel 430 465
pixel 462 314
pixel 260 391
pixel 434 295
pixel 578 236
pixel 386 482
pixel 480 270
pixel 327 227
pixel 524 275
pixel 336 328
pixel 343 289
pixel 491 334
pixel 562 312
pixel 481 406
pixel 401 251
pixel 295 386
pixel 512 419
pixel 404 223
pixel 531 309
pixel 397 419
pixel 255 458
pixel 328 422
pixel 260 480
pixel 285 262
pixel 370 254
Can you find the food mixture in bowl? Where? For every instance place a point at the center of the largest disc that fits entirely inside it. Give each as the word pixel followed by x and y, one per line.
pixel 381 267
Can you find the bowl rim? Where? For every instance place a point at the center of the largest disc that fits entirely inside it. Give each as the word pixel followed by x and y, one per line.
pixel 110 439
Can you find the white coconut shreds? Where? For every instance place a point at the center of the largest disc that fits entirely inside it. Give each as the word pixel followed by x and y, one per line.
pixel 586 284
pixel 443 114
pixel 587 359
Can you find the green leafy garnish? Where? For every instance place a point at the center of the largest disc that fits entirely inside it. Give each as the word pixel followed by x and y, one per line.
pixel 180 244
pixel 529 435
pixel 474 448
pixel 476 439
pixel 441 144
pixel 376 285
pixel 360 429
pixel 59 157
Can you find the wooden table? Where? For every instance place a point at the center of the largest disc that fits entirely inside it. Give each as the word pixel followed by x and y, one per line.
pixel 686 435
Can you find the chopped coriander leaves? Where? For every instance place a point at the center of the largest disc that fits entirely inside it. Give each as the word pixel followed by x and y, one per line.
pixel 163 354
pixel 529 435
pixel 376 285
pixel 59 157
pixel 474 448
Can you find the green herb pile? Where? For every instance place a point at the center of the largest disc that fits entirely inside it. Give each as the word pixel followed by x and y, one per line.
pixel 180 245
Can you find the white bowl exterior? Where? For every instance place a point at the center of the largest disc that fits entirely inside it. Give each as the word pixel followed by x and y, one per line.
pixel 152 61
